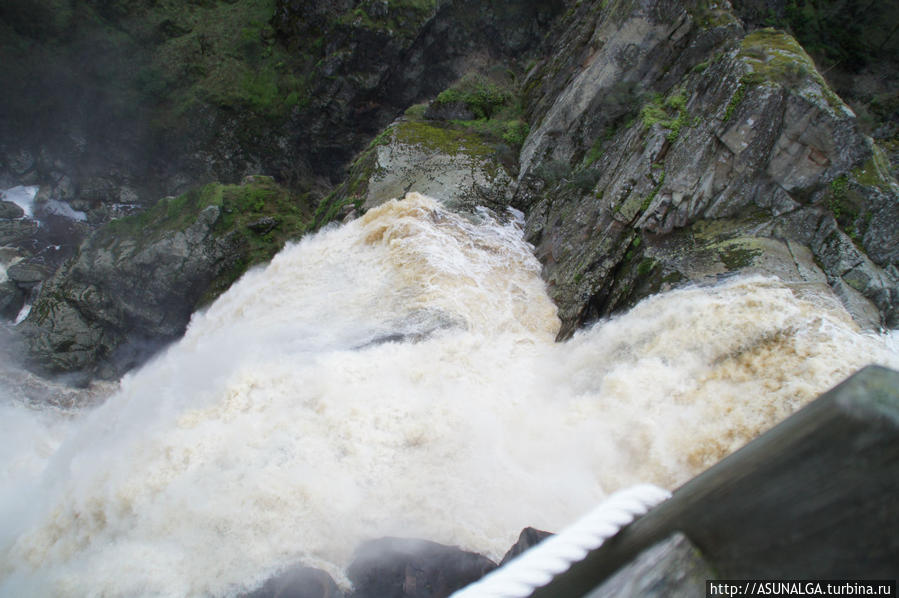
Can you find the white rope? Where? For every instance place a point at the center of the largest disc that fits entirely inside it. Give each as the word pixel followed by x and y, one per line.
pixel 536 567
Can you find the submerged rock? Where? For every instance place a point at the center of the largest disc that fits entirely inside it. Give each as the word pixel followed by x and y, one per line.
pixel 406 568
pixel 298 582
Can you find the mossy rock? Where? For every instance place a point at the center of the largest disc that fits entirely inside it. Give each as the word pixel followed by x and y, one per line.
pixel 257 217
pixel 450 160
pixel 775 57
pixel 135 282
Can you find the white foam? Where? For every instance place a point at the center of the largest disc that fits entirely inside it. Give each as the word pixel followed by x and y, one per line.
pixel 23 313
pixel 59 208
pixel 22 196
pixel 281 429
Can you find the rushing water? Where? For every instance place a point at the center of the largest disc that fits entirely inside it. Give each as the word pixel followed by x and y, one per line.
pixel 396 375
pixel 22 197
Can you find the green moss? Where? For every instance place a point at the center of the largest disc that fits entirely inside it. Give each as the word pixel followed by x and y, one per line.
pixel 736 256
pixel 646 266
pixel 402 17
pixel 416 111
pixel 479 94
pixel 776 57
pixel 259 216
pixel 594 153
pixel 735 100
pixel 708 15
pixel 671 113
pixel 655 191
pixel 516 131
pixel 496 106
pixel 839 185
pixel 875 172
pixel 446 139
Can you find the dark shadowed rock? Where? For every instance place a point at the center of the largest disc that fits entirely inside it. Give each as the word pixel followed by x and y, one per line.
pixel 449 111
pixel 406 568
pixel 11 299
pixel 28 273
pixel 528 538
pixel 298 581
pixel 10 210
pixel 17 232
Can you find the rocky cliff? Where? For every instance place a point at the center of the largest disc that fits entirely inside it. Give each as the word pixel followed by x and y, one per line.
pixel 647 144
pixel 134 283
pixel 119 102
pixel 668 144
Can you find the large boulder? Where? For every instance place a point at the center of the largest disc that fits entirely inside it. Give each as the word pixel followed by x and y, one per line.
pixel 452 163
pixel 134 283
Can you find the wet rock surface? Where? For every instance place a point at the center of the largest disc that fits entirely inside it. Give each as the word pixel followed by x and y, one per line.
pixel 404 568
pixel 528 538
pixel 298 582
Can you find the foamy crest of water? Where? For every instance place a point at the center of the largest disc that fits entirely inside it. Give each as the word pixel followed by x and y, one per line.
pixel 398 375
pixel 22 197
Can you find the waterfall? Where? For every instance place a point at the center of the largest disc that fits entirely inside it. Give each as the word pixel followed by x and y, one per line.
pixel 397 375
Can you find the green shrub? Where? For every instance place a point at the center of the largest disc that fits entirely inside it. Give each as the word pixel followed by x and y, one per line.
pixel 516 131
pixel 480 95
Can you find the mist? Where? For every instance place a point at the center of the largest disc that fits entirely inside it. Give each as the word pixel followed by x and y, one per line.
pixel 283 427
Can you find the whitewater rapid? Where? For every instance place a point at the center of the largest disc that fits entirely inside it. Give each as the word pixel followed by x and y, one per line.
pixel 397 375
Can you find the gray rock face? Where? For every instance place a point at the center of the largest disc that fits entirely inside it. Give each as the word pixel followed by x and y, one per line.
pixel 454 165
pixel 121 296
pixel 17 232
pixel 668 145
pixel 134 283
pixel 28 273
pixel 404 568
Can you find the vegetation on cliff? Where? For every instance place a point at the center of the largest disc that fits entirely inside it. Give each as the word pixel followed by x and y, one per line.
pixel 135 282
